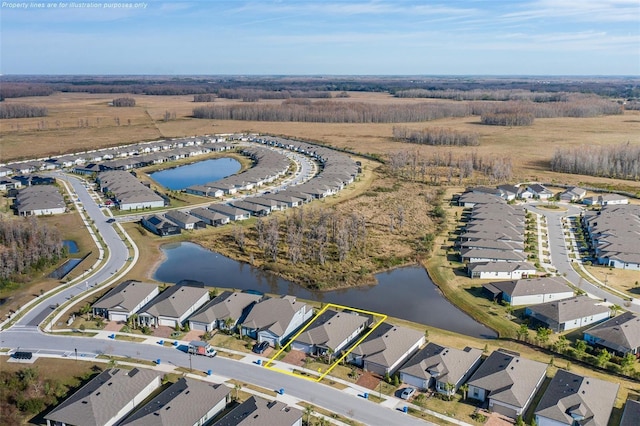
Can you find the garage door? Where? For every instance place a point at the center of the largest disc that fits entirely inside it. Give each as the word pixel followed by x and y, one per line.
pixel 118 317
pixel 198 326
pixel 506 411
pixel 302 347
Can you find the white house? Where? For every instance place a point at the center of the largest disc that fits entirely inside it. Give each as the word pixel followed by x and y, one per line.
pixel 530 291
pixel 567 314
pixel 501 270
pixel 539 191
pixel 173 306
pixel 330 332
pixel 125 299
pixel 273 320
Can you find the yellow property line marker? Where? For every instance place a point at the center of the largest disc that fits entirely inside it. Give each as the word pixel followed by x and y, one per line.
pixel 381 318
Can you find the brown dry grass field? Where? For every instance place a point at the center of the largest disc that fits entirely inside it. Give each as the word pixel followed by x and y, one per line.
pixel 530 147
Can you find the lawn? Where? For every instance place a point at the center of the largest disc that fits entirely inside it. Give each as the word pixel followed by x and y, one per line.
pixel 624 280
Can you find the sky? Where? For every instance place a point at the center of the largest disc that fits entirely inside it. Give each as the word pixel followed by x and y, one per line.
pixel 329 37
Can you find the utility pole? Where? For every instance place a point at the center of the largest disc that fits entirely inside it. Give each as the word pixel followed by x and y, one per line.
pixel 76 351
pixel 190 368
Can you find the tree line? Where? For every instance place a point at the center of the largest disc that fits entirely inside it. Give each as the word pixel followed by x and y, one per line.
pixel 21 111
pixel 512 117
pixel 124 102
pixel 435 136
pixel 619 161
pixel 334 112
pixel 484 95
pixel 27 245
pixel 204 97
pixel 253 95
pixel 439 167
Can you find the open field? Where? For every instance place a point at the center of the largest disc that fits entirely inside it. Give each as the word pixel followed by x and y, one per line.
pixel 21 139
pixel 625 280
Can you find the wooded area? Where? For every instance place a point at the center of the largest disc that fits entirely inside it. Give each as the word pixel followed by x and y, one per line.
pixel 26 245
pixel 435 136
pixel 21 111
pixel 620 161
pixel 124 102
pixel 205 97
pixel 334 112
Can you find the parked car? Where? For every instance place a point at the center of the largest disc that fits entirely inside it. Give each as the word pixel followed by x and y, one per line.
pixel 111 220
pixel 407 393
pixel 260 347
pixel 22 355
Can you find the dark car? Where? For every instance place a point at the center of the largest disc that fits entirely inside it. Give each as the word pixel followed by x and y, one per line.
pixel 22 355
pixel 260 347
pixel 111 220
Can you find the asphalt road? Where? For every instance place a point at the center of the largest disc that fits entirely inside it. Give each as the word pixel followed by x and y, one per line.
pixel 116 257
pixel 560 257
pixel 354 407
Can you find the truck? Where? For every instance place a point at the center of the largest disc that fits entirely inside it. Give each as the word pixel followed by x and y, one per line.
pixel 197 347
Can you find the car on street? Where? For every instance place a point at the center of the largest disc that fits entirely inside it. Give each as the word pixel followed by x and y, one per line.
pixel 260 347
pixel 111 220
pixel 407 393
pixel 22 355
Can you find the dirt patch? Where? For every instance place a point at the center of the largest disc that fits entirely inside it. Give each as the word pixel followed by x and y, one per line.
pixel 368 380
pixel 295 358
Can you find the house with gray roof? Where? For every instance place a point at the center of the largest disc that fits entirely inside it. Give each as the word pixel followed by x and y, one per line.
pixel 185 220
pixel 571 399
pixel 39 200
pixel 386 348
pixel 612 199
pixel 106 399
pixel 124 300
pixel 160 225
pixel 631 413
pixel 173 305
pixel 501 270
pixel 209 216
pixel 614 232
pixel 224 311
pixel 508 382
pixel 257 411
pixel 233 213
pixel 540 191
pixel 620 334
pixel 438 367
pixel 491 255
pixel 330 332
pixel 530 291
pixel 186 402
pixel 273 320
pixel 204 191
pixel 253 208
pixel 567 314
pixel 573 194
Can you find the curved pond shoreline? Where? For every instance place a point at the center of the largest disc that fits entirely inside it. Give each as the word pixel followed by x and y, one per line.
pixel 197 173
pixel 406 292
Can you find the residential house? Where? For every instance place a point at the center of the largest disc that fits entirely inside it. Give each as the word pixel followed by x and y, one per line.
pixel 258 411
pixel 160 225
pixel 491 255
pixel 631 413
pixel 530 291
pixel 567 314
pixel 572 399
pixel 253 208
pixel 508 382
pixel 204 191
pixel 209 216
pixel 39 200
pixel 470 199
pixel 509 192
pixel 173 305
pixel 619 335
pixel 386 348
pixel 441 368
pixel 573 194
pixel 124 300
pixel 273 320
pixel 614 232
pixel 233 213
pixel 539 191
pixel 501 270
pixel 185 220
pixel 224 311
pixel 105 399
pixel 612 200
pixel 330 332
pixel 186 402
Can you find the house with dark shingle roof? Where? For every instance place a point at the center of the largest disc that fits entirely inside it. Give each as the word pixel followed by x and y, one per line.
pixel 106 399
pixel 386 348
pixel 438 367
pixel 330 332
pixel 185 220
pixel 540 191
pixel 508 382
pixel 173 305
pixel 257 411
pixel 160 225
pixel 620 335
pixel 186 402
pixel 631 413
pixel 571 399
pixel 497 270
pixel 124 300
pixel 568 314
pixel 273 320
pixel 530 291
pixel 224 311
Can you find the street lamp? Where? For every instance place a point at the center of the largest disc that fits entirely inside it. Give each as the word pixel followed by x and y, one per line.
pixel 76 351
pixel 190 368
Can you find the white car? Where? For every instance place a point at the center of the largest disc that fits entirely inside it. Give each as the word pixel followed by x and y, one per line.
pixel 407 393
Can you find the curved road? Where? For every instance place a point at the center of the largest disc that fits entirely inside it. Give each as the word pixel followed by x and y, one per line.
pixel 561 260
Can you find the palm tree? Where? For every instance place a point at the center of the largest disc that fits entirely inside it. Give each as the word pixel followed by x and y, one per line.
pixel 308 411
pixel 237 388
pixel 464 388
pixel 615 309
pixel 228 323
pixel 449 388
